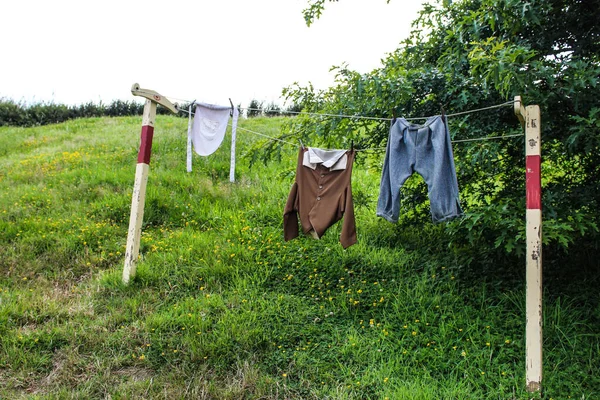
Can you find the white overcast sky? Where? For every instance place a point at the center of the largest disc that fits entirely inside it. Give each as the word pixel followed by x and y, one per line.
pixel 208 50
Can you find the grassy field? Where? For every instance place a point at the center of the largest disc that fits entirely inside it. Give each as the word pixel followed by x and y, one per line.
pixel 223 308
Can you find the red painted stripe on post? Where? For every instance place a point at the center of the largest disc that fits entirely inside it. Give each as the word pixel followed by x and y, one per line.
pixel 533 182
pixel 146 145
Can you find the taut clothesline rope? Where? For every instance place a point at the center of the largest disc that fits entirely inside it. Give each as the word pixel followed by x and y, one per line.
pixel 488 138
pixel 269 137
pixel 317 114
pixel 383 148
pixel 505 104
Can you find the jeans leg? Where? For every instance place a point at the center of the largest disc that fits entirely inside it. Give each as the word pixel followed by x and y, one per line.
pixel 397 167
pixel 435 163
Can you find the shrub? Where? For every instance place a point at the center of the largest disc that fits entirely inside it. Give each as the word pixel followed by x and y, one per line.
pixel 23 114
pixel 255 108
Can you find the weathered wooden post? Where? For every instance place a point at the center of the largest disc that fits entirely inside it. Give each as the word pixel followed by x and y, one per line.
pixel 141 176
pixel 530 117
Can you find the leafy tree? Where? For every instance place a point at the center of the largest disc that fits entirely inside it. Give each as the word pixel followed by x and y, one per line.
pixel 473 54
pixel 272 110
pixel 255 108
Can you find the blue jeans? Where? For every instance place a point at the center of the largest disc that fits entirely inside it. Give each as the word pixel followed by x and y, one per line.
pixel 427 150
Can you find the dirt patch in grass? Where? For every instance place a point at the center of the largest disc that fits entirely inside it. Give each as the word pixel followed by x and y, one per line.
pixel 69 368
pixel 135 373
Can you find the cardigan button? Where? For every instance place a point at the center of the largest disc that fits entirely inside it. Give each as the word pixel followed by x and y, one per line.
pixel 319 198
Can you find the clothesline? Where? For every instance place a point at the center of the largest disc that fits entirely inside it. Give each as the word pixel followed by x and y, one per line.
pixel 296 144
pixel 505 104
pixel 269 137
pixel 376 148
pixel 488 138
pixel 383 148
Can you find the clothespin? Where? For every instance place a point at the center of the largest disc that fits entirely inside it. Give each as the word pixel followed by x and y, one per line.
pixel 301 144
pixel 231 112
pixel 351 145
pixel 393 116
pixel 443 114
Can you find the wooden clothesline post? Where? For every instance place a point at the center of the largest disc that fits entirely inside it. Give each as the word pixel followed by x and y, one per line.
pixel 530 118
pixel 141 176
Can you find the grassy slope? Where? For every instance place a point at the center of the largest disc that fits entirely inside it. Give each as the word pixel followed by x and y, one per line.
pixel 222 307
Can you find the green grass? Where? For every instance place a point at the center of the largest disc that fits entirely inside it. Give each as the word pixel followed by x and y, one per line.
pixel 223 308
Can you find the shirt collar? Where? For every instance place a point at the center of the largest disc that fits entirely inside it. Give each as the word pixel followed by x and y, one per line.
pixel 333 159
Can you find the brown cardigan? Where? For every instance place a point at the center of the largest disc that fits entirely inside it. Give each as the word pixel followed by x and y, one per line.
pixel 320 198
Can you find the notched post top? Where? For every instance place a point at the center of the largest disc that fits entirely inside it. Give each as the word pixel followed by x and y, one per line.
pixel 519 110
pixel 153 96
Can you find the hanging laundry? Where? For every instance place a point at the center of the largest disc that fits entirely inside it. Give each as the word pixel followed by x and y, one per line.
pixel 234 122
pixel 208 129
pixel 427 150
pixel 321 195
pixel 189 140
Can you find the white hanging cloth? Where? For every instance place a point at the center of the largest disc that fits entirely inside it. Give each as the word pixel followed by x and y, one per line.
pixel 236 114
pixel 189 140
pixel 208 129
pixel 207 132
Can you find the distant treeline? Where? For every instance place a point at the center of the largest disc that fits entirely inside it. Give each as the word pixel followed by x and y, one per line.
pixel 22 114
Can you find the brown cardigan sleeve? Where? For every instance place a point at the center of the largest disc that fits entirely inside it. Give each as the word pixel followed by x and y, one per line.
pixel 290 214
pixel 348 234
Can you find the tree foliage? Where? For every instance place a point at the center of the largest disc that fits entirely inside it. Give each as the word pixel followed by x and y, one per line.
pixel 473 54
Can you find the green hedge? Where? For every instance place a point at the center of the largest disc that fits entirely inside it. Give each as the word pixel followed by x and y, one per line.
pixel 23 114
